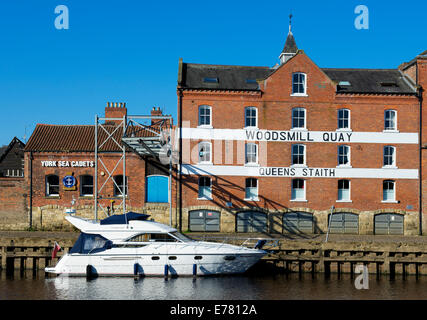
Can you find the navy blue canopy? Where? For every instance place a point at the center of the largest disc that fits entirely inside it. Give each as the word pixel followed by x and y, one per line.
pixel 122 219
pixel 90 243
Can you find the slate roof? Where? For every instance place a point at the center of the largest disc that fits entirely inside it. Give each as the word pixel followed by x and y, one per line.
pixel 229 77
pixel 290 44
pixel 369 81
pixel 76 138
pixel 2 150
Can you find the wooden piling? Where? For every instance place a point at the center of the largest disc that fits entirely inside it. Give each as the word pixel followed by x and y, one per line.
pixel 3 258
pixel 17 263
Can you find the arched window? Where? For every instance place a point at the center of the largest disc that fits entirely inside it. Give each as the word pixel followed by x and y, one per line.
pixel 205 116
pixel 343 155
pixel 389 156
pixel 251 189
pixel 251 117
pixel 52 185
pixel 298 189
pixel 251 154
pixel 298 118
pixel 205 155
pixel 299 83
pixel 343 190
pixel 298 154
pixel 390 120
pixel 343 119
pixel 205 188
pixel 389 191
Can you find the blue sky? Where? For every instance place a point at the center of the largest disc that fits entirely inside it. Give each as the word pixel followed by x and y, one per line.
pixel 128 51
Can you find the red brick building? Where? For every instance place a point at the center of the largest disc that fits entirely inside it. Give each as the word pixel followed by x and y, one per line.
pixel 278 149
pixel 266 149
pixel 13 190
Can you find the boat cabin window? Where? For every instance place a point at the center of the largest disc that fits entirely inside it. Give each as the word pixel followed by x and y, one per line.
pixel 153 237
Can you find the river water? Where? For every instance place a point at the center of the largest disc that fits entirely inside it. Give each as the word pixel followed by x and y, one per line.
pixel 36 286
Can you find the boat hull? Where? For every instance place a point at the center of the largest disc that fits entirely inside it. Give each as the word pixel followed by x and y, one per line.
pixel 144 265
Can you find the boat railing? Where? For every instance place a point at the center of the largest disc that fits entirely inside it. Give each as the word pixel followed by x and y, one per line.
pixel 240 241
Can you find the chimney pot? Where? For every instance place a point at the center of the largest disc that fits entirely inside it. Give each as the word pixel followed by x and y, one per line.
pixel 115 110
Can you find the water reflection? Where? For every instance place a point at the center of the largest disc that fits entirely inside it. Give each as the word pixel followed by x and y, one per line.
pixel 35 286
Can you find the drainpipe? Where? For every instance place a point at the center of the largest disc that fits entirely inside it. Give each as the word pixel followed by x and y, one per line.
pixel 31 189
pixel 180 159
pixel 420 98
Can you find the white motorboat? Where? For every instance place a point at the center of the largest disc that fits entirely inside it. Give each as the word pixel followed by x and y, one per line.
pixel 131 245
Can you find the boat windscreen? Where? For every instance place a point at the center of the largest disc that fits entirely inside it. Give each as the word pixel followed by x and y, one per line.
pixel 181 237
pixel 90 243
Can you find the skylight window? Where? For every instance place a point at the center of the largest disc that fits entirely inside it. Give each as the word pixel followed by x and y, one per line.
pixel 210 80
pixel 251 81
pixel 389 84
pixel 344 83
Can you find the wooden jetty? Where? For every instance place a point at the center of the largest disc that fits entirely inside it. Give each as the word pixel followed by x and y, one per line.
pixel 315 256
pixel 30 253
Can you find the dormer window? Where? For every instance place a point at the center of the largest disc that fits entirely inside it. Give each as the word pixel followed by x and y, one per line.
pixel 299 84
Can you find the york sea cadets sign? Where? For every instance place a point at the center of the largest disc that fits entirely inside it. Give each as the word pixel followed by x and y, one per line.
pixel 273 135
pixel 68 164
pixel 298 172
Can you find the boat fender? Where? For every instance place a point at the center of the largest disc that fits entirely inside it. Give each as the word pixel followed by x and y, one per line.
pixel 89 272
pixel 260 244
pixel 135 269
pixel 166 270
pixel 194 269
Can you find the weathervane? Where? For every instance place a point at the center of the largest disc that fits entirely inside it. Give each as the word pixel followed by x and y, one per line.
pixel 290 22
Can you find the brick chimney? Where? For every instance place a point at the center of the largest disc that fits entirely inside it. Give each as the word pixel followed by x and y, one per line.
pixel 157 112
pixel 115 110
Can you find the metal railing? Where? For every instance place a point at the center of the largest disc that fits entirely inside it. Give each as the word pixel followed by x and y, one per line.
pixel 240 241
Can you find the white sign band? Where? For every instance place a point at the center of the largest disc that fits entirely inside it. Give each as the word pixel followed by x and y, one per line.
pixel 300 136
pixel 300 172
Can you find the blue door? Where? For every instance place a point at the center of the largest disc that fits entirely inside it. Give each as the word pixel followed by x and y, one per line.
pixel 157 189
